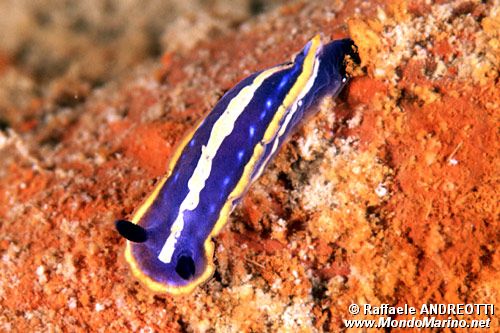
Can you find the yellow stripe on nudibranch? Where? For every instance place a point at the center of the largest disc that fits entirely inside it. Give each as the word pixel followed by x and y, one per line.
pixel 288 117
pixel 296 89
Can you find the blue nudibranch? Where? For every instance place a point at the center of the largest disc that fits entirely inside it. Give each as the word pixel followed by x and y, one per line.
pixel 170 247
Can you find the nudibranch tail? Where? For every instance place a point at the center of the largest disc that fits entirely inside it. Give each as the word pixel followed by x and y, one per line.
pixel 169 239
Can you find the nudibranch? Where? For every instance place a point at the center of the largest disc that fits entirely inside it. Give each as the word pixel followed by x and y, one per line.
pixel 169 238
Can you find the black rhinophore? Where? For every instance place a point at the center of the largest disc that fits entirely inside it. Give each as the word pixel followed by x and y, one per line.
pixel 131 231
pixel 185 267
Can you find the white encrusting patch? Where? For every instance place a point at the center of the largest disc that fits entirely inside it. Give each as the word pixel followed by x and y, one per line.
pixel 222 128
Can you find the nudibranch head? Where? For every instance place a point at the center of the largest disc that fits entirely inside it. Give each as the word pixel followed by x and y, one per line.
pixel 187 263
pixel 184 264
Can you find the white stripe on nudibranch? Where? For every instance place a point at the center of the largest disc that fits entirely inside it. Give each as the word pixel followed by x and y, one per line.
pixel 222 128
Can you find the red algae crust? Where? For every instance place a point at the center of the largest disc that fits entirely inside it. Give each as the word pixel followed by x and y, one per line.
pixel 387 195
